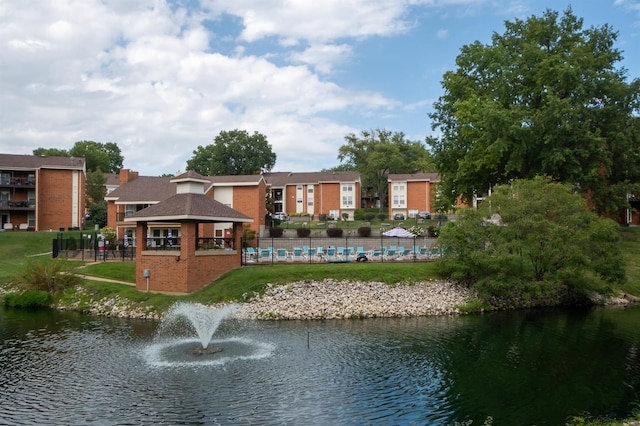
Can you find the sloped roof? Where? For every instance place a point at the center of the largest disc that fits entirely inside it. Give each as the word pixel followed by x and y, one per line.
pixel 236 180
pixel 431 177
pixel 112 179
pixel 188 206
pixel 143 190
pixel 293 178
pixel 32 162
pixel 152 189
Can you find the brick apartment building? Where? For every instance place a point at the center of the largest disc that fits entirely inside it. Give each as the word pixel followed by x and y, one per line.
pixel 412 193
pixel 41 193
pixel 316 193
pixel 133 193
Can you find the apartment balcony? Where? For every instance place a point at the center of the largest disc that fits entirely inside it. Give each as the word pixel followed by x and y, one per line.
pixel 25 205
pixel 17 182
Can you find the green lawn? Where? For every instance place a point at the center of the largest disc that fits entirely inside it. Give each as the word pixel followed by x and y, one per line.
pixel 17 249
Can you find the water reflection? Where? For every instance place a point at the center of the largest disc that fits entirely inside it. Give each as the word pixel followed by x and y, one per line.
pixel 529 367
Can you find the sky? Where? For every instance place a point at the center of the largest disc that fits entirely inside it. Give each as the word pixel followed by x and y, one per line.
pixel 162 77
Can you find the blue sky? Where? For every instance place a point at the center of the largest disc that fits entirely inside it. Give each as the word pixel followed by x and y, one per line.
pixel 162 77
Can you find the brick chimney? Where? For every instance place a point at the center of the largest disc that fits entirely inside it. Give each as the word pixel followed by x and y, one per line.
pixel 127 175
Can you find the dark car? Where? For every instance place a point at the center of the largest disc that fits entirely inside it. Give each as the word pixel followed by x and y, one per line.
pixel 398 216
pixel 424 215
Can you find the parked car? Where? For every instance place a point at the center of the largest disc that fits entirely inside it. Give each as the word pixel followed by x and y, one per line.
pixel 398 216
pixel 282 216
pixel 424 215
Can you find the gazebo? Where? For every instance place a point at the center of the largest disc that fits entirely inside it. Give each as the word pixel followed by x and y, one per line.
pixel 192 260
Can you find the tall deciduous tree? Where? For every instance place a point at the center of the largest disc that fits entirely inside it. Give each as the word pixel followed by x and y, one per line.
pixel 233 152
pixel 375 154
pixel 98 155
pixel 95 187
pixel 104 156
pixel 544 98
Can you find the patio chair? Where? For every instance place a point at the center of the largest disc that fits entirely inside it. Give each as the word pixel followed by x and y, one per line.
pixel 375 254
pixel 265 255
pixel 311 253
pixel 331 254
pixel 297 255
pixel 349 252
pixel 390 254
pixel 250 254
pixel 282 255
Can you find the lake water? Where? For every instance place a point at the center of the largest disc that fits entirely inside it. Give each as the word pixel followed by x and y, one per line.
pixel 521 368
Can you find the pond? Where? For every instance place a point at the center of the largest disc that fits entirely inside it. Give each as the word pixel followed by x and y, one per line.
pixel 522 367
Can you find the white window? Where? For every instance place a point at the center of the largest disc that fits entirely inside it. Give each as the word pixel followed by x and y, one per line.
pixel 347 200
pixel 347 187
pixel 398 200
pixel 310 190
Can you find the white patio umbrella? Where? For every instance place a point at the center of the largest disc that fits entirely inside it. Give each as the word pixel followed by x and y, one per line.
pixel 398 232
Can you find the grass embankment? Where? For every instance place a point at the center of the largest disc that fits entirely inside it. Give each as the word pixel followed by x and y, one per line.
pixel 17 249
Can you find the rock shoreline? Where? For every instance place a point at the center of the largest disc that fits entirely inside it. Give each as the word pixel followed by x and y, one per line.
pixel 331 299
pixel 326 299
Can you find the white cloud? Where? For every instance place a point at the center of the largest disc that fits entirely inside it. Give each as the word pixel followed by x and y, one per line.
pixel 442 34
pixel 315 21
pixel 142 74
pixel 322 57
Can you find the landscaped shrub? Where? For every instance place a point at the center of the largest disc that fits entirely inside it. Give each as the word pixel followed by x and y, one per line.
pixel 433 231
pixel 382 216
pixel 276 232
pixel 364 231
pixel 369 216
pixel 334 232
pixel 32 299
pixel 303 232
pixel 72 243
pixel 51 276
pixel 359 214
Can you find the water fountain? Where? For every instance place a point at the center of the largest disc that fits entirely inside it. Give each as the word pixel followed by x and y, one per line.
pixel 202 319
pixel 185 336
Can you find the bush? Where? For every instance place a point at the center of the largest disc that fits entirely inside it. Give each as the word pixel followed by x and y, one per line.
pixel 303 232
pixel 32 299
pixel 334 232
pixel 382 216
pixel 276 232
pixel 50 276
pixel 364 231
pixel 545 247
pixel 433 231
pixel 369 216
pixel 72 243
pixel 359 214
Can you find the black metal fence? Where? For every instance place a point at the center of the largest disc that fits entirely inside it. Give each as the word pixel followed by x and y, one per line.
pixel 89 246
pixel 345 249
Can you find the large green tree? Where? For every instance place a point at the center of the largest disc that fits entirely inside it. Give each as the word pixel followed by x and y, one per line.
pixel 532 242
pixel 375 154
pixel 233 152
pixel 98 155
pixel 544 98
pixel 95 187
